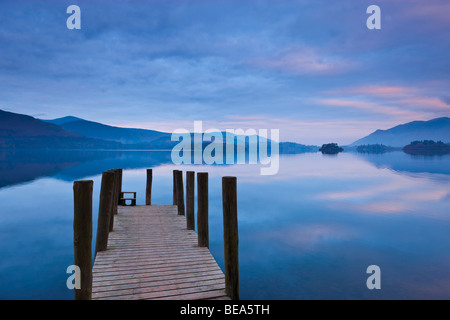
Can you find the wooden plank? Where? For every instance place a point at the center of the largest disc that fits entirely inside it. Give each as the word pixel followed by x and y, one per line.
pixel 106 282
pixel 151 255
pixel 156 290
pixel 149 282
pixel 113 276
pixel 168 294
pixel 206 295
pixel 157 264
pixel 117 258
pixel 147 271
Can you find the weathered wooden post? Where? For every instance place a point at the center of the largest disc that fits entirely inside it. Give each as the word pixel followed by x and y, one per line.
pixel 82 236
pixel 174 187
pixel 148 189
pixel 119 186
pixel 116 196
pixel 202 209
pixel 104 211
pixel 230 237
pixel 115 200
pixel 180 192
pixel 190 200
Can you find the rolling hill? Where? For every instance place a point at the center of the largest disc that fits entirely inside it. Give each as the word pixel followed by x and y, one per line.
pixel 101 131
pixel 437 129
pixel 19 125
pixel 22 131
pixel 143 138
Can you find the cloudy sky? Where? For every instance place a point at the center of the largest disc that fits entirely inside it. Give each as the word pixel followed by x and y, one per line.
pixel 310 68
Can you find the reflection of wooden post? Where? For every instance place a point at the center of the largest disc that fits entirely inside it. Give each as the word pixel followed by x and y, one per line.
pixel 180 192
pixel 230 237
pixel 174 187
pixel 190 185
pixel 202 209
pixel 104 211
pixel 148 190
pixel 116 199
pixel 82 236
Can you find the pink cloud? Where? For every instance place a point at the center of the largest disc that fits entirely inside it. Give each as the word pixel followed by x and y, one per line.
pixel 373 107
pixel 435 10
pixel 377 91
pixel 433 103
pixel 407 103
pixel 305 61
pixel 381 91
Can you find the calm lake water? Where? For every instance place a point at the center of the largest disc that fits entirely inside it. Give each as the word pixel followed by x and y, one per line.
pixel 309 232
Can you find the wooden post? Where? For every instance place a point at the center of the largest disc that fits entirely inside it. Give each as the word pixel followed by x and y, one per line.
pixel 174 187
pixel 180 192
pixel 148 190
pixel 115 198
pixel 190 200
pixel 119 186
pixel 104 211
pixel 82 236
pixel 230 237
pixel 202 209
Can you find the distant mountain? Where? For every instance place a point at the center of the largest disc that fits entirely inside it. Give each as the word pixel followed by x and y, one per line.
pixel 98 130
pixel 400 136
pixel 60 121
pixel 144 138
pixel 284 147
pixel 22 131
pixel 19 125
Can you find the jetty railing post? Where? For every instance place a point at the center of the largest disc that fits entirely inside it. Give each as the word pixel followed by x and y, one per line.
pixel 116 186
pixel 190 200
pixel 148 189
pixel 104 211
pixel 82 236
pixel 174 187
pixel 230 237
pixel 115 200
pixel 180 192
pixel 119 186
pixel 202 209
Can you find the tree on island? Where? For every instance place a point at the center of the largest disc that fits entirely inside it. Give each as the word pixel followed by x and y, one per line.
pixel 331 148
pixel 427 147
pixel 375 148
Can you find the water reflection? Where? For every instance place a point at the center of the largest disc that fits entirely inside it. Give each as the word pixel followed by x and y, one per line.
pixel 69 165
pixel 308 232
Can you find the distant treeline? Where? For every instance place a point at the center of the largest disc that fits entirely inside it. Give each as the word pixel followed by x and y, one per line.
pixel 375 148
pixel 427 147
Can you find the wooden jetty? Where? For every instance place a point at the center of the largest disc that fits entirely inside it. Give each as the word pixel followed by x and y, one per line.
pixel 152 251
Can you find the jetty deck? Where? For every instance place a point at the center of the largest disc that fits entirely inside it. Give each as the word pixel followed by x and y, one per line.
pixel 152 251
pixel 151 255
